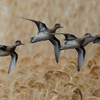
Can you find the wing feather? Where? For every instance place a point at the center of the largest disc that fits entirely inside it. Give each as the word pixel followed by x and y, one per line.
pixel 14 58
pixel 41 26
pixel 67 36
pixel 55 42
pixel 81 56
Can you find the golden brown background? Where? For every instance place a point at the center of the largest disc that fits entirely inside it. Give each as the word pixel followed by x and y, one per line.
pixel 37 76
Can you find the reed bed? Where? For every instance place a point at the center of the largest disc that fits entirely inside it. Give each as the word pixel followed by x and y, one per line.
pixel 37 76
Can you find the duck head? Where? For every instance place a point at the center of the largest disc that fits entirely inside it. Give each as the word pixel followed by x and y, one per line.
pixel 18 42
pixel 88 35
pixel 58 26
pixel 97 40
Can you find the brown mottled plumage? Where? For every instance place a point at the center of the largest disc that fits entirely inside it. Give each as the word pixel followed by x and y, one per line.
pixel 10 50
pixel 94 39
pixel 45 33
pixel 73 42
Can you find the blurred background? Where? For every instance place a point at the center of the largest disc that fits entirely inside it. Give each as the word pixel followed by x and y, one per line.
pixel 36 75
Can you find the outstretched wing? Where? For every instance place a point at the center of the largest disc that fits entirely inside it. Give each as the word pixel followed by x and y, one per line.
pixel 67 36
pixel 14 58
pixel 88 40
pixel 81 56
pixel 56 43
pixel 41 26
pixel 94 39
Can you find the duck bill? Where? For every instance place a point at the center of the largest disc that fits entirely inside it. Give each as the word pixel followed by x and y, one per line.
pixel 61 27
pixel 92 36
pixel 22 44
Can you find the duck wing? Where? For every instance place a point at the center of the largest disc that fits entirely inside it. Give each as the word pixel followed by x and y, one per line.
pixel 88 40
pixel 67 36
pixel 81 56
pixel 41 26
pixel 14 58
pixel 94 39
pixel 56 43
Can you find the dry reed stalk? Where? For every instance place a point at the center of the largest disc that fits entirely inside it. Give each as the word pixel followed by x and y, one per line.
pixel 39 54
pixel 34 65
pixel 43 94
pixel 5 93
pixel 68 87
pixel 29 81
pixel 94 72
pixel 1 88
pixel 16 86
pixel 96 92
pixel 61 75
pixel 78 77
pixel 23 70
pixel 18 81
pixel 61 78
pixel 31 94
pixel 50 80
pixel 70 68
pixel 48 74
pixel 3 71
pixel 18 90
pixel 25 60
pixel 63 97
pixel 39 86
pixel 48 95
pixel 63 59
pixel 21 96
pixel 92 98
pixel 77 94
pixel 54 92
pixel 94 83
pixel 97 52
pixel 91 63
pixel 39 57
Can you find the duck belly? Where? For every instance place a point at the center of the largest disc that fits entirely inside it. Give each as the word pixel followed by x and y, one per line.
pixel 70 45
pixel 3 53
pixel 42 36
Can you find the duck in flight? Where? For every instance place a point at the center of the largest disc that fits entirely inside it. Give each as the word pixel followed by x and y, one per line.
pixel 10 50
pixel 94 39
pixel 45 33
pixel 73 42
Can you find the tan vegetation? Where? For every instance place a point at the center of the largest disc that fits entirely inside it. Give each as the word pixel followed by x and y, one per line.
pixel 37 76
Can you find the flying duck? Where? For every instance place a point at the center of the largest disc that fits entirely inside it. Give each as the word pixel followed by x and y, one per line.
pixel 45 33
pixel 94 39
pixel 73 42
pixel 10 50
